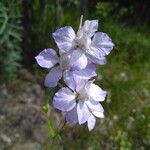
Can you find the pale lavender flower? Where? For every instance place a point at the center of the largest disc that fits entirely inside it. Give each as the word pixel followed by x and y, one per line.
pixel 78 54
pixel 81 101
pixel 86 45
pixel 61 66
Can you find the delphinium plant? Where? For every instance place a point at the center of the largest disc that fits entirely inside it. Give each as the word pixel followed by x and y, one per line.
pixel 10 39
pixel 75 63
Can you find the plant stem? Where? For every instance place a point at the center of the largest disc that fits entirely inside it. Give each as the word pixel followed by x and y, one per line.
pixel 81 20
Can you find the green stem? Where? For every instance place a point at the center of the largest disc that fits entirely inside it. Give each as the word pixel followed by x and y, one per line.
pixel 51 130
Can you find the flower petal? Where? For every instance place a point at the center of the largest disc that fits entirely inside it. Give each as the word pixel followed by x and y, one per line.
pixel 64 38
pixel 94 105
pixel 79 82
pixel 64 100
pixel 96 93
pixel 47 58
pixel 98 114
pixel 71 116
pixel 96 59
pixel 53 77
pixel 90 27
pixel 82 111
pixel 69 79
pixel 76 79
pixel 87 73
pixel 78 59
pixel 91 122
pixel 101 45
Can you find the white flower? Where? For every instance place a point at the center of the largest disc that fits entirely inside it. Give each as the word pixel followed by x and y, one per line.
pixel 86 45
pixel 81 102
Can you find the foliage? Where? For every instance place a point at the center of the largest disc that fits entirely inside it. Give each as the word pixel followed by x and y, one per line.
pixel 10 38
pixel 103 10
pixel 131 11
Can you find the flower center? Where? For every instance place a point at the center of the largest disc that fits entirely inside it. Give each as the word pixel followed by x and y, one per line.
pixel 82 95
pixel 83 42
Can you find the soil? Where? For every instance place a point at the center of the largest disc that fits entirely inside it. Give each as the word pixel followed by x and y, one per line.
pixel 22 122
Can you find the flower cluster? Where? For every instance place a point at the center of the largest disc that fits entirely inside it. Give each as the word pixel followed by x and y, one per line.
pixel 78 54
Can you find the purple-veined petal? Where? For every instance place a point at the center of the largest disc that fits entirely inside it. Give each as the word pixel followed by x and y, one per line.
pixel 78 59
pixel 101 45
pixel 86 73
pixel 82 111
pixel 71 116
pixel 69 79
pixel 76 79
pixel 47 58
pixel 96 93
pixel 94 105
pixel 98 114
pixel 64 100
pixel 52 78
pixel 91 122
pixel 79 82
pixel 90 27
pixel 96 59
pixel 64 38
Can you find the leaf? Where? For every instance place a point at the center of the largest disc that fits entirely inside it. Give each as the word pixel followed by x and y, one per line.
pixel 15 35
pixel 4 24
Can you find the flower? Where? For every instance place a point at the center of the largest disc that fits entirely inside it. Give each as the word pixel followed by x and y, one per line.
pixel 78 54
pixel 61 66
pixel 81 102
pixel 86 45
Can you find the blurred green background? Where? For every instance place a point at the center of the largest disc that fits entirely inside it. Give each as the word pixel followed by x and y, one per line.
pixel 26 28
